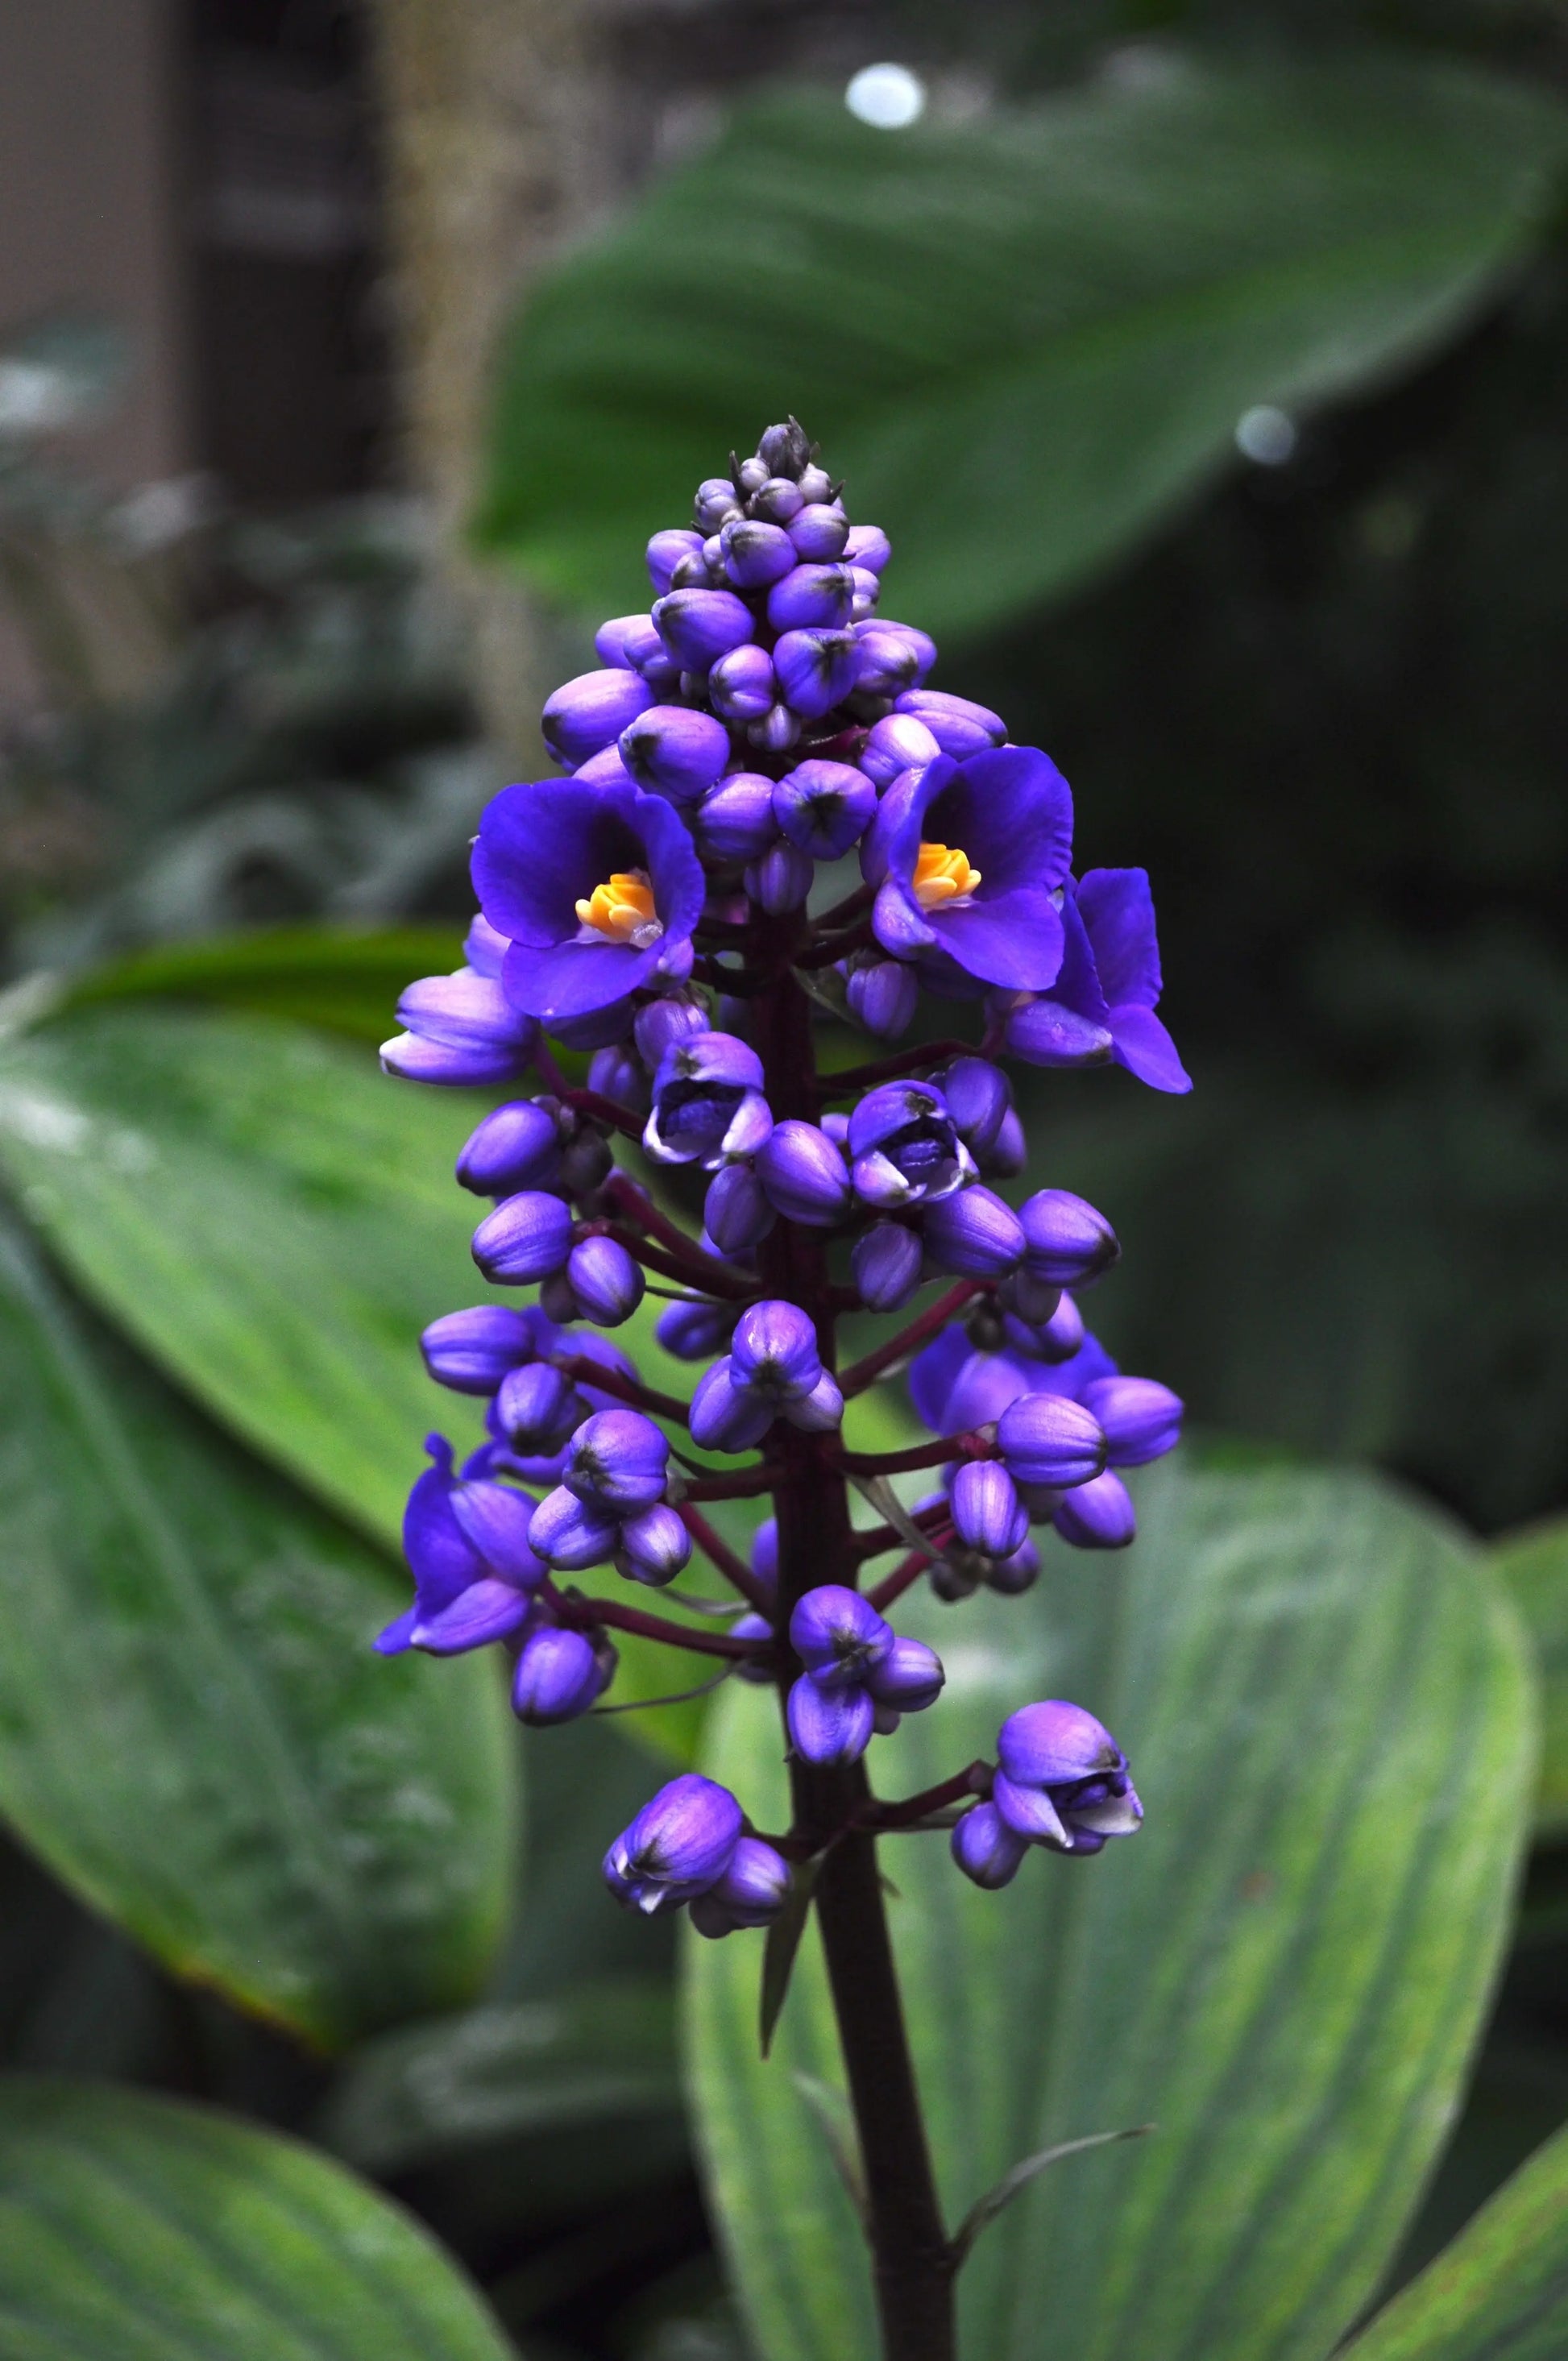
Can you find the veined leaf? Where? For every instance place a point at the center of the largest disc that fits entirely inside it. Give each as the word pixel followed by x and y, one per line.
pixel 1020 341
pixel 344 979
pixel 1328 1707
pixel 1534 1564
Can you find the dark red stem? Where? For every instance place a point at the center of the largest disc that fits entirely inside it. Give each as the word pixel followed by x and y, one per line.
pixel 892 1069
pixel 906 1574
pixel 584 1613
pixel 729 1562
pixel 865 1371
pixel 975 1780
pixel 919 1455
pixel 584 1372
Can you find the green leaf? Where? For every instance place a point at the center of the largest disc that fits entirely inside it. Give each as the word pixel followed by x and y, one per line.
pixel 1500 2291
pixel 1327 1707
pixel 194 1732
pixel 1020 341
pixel 1534 1564
pixel 134 2230
pixel 346 979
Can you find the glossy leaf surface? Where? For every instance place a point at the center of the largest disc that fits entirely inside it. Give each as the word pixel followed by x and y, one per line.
pixel 1534 1564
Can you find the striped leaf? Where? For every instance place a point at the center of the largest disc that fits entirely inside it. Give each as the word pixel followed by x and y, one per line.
pixel 1534 1564
pixel 1330 1716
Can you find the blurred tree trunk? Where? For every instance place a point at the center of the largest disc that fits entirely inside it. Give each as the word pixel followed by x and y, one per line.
pixel 491 159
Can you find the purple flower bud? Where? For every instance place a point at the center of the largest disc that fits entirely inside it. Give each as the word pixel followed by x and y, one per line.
pixel 884 1262
pixel 884 997
pixel 903 1148
pixel 986 1848
pixel 618 1462
pixel 708 1103
pixel 820 533
pixel 815 669
pixel 781 879
pixel 1046 1033
pixel 665 552
pixel 838 1636
pixel 973 1234
pixel 837 1128
pixel 625 638
pixel 537 1409
pixel 758 1668
pixel 735 1212
pixel 960 727
pixel 1009 1151
pixel 692 1331
pixel 898 742
pixel 765 1554
pixel 462 1030
pixel 804 1175
pixel 909 1678
pixel 785 450
pixel 679 1844
pixel 593 1031
pixel 715 504
pixel 821 1409
pixel 662 1023
pixel 568 1534
pixel 978 1097
pixel 741 685
pixel 726 1416
pixel 559 1675
pixel 472 1351
pixel 777 499
pixel 1098 1515
pixel 756 554
pixel 556 1299
pixel 1063 1779
pixel 1142 1418
pixel 1060 1336
pixel 867 546
pixel 591 711
pixel 752 1892
pixel 774 1350
pixel 517 1147
pixel 1048 1439
pixel 615 1074
pixel 988 1515
pixel 586 1161
pixel 1012 1575
pixel 699 626
pixel 735 819
pixel 812 597
pixel 1032 1301
pixel 892 657
pixel 527 1237
pixel 671 750
pixel 1067 1243
pixel 829 1725
pixel 868 591
pixel 777 731
pixel 824 808
pixel 606 1282
pixel 655 1547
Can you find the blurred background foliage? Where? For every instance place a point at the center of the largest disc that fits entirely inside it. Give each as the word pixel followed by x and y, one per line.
pixel 1206 366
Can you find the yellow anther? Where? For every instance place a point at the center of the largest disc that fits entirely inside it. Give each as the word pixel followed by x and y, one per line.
pixel 941 874
pixel 621 910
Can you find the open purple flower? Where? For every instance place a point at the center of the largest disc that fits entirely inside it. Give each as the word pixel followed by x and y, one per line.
pixel 597 888
pixel 465 1539
pixel 905 1148
pixel 1104 999
pixel 970 859
pixel 1063 1779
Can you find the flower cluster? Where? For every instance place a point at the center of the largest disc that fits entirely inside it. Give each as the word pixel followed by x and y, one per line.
pixel 764 815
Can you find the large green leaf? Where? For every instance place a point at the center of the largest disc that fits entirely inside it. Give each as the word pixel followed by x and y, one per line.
pixel 345 979
pixel 1021 340
pixel 1329 1710
pixel 1500 2291
pixel 194 1732
pixel 134 2230
pixel 1534 1564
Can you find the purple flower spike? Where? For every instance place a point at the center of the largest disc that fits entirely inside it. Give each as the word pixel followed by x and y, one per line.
pixel 899 743
pixel 903 1148
pixel 781 879
pixel 775 1350
pixel 1067 1242
pixel 735 1212
pixel 598 889
pixel 692 1331
pixel 893 657
pixel 1097 1515
pixel 655 1547
pixel 822 808
pixel 559 1675
pixel 568 1534
pixel 708 1103
pixel 591 712
pixel 741 685
pixel 884 997
pixel 1047 1439
pixel 472 1351
pixel 974 1235
pixel 885 1264
pixel 474 1573
pixel 970 859
pixel 527 1237
pixel 518 1147
pixel 699 626
pixel 735 819
pixel 726 1416
pixel 618 1461
pixel 838 1636
pixel 462 1030
pixel 960 727
pixel 829 1725
pixel 666 551
pixel 812 597
pixel 679 1845
pixel 815 669
pixel 607 1283
pixel 1142 1418
pixel 986 1848
pixel 804 1175
pixel 756 552
pixel 988 1515
pixel 752 1892
pixel 672 751
pixel 909 1678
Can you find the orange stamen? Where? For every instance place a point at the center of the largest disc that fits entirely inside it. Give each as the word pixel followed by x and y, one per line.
pixel 942 873
pixel 621 910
